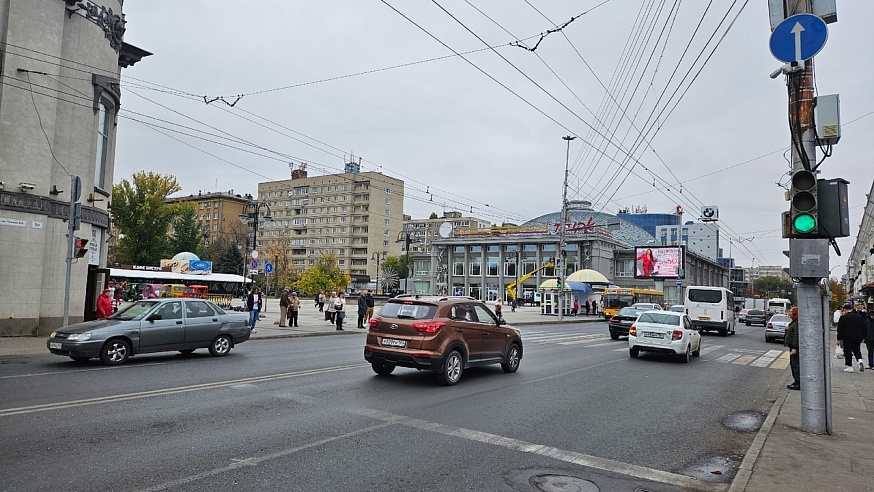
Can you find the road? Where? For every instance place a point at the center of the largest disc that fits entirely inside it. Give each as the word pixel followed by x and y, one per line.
pixel 309 414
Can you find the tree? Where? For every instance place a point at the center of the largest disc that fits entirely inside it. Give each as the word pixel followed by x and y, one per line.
pixel 230 261
pixel 397 264
pixel 773 286
pixel 186 230
pixel 142 217
pixel 433 215
pixel 839 294
pixel 285 274
pixel 324 276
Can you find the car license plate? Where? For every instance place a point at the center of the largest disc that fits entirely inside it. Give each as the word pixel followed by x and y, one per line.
pixel 391 342
pixel 704 318
pixel 649 334
pixel 55 345
pixel 624 322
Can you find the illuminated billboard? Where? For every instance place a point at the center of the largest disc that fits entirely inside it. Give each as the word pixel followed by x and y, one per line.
pixel 658 262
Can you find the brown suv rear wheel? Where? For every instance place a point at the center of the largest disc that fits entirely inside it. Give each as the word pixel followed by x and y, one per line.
pixel 453 366
pixel 382 369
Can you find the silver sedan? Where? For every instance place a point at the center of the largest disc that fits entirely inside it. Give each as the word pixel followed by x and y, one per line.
pixel 776 327
pixel 152 325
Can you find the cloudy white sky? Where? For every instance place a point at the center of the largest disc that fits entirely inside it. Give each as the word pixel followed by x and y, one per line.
pixel 437 94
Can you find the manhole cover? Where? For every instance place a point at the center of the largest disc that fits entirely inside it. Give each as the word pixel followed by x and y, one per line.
pixel 562 483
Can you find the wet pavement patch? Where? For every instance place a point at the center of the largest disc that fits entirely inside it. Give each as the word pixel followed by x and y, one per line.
pixel 713 468
pixel 744 421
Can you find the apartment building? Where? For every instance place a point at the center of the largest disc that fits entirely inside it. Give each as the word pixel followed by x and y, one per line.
pixel 353 215
pixel 218 214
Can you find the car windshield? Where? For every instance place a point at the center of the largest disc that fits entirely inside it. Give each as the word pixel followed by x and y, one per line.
pixel 629 311
pixel 660 319
pixel 134 311
pixel 780 317
pixel 408 310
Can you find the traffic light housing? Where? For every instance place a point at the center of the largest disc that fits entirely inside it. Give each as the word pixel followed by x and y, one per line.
pixel 80 247
pixel 804 209
pixel 558 284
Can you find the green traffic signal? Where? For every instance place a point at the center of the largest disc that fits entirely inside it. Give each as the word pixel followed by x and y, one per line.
pixel 804 223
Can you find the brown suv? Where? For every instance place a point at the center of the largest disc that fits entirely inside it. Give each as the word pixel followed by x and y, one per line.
pixel 441 334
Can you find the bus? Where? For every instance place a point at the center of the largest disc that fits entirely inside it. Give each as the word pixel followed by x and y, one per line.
pixel 616 298
pixel 779 306
pixel 710 308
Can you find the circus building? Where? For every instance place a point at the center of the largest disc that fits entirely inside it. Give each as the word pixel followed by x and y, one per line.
pixel 487 263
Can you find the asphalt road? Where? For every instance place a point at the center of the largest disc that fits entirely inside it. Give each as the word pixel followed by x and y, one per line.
pixel 309 414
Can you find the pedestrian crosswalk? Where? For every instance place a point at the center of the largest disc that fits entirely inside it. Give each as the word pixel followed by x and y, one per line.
pixel 770 359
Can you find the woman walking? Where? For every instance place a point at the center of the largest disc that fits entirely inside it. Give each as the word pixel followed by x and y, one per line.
pixel 339 304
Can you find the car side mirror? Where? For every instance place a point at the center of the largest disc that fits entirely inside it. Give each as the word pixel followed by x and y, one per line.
pixel 154 317
pixel 501 321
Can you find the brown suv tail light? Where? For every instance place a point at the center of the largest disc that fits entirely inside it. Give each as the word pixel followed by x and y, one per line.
pixel 678 335
pixel 429 327
pixel 373 322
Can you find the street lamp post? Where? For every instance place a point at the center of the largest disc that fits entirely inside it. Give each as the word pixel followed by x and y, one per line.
pixel 564 220
pixel 376 256
pixel 251 213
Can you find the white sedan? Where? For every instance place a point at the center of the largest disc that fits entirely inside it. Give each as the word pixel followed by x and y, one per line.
pixel 666 332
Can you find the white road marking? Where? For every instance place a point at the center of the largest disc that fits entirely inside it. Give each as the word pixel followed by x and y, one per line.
pixel 711 348
pixel 727 358
pixel 766 359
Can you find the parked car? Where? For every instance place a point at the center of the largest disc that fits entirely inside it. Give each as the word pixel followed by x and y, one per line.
pixel 677 308
pixel 622 321
pixel 172 290
pixel 666 332
pixel 647 306
pixel 776 327
pixel 742 315
pixel 442 334
pixel 756 317
pixel 153 325
pixel 151 291
pixel 196 291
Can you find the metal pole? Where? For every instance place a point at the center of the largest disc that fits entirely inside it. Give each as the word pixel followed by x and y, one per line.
pixel 69 259
pixel 561 245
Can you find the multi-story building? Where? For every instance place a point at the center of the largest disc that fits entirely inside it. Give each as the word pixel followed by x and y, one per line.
pixel 860 264
pixel 650 221
pixel 350 215
pixel 218 215
pixel 59 100
pixel 754 273
pixel 700 238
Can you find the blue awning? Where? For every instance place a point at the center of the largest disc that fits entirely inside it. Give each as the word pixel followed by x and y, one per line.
pixel 580 287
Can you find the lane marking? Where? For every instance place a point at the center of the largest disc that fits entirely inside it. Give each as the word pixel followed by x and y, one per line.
pixel 725 359
pixel 711 348
pixel 766 359
pixel 781 362
pixel 744 360
pixel 170 391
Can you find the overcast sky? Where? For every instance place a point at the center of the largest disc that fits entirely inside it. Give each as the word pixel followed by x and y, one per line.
pixel 440 95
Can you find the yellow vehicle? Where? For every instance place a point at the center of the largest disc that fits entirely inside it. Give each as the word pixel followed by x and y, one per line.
pixel 173 290
pixel 616 298
pixel 511 288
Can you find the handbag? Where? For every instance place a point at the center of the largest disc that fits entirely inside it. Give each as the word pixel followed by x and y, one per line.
pixel 839 352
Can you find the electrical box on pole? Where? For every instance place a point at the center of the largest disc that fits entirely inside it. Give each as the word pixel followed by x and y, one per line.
pixel 827 115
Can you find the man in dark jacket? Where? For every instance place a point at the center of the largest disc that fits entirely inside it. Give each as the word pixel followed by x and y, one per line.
pixel 362 309
pixel 851 332
pixel 283 307
pixel 791 341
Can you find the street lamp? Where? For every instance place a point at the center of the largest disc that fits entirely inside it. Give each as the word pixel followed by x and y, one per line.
pixel 375 256
pixel 564 220
pixel 251 213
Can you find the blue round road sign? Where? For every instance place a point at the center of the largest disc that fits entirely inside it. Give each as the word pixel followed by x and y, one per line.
pixel 798 38
pixel 254 264
pixel 268 267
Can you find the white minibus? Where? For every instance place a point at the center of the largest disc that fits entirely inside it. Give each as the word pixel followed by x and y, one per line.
pixel 710 309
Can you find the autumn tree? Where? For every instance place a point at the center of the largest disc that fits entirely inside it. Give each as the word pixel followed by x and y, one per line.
pixel 324 275
pixel 186 231
pixel 285 274
pixel 143 217
pixel 839 294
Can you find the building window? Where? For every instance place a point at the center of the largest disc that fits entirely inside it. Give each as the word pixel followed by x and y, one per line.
pixel 458 269
pixel 492 265
pixel 421 267
pixel 388 201
pixel 104 131
pixel 475 267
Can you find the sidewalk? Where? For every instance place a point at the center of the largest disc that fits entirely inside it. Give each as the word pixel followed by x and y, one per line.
pixel 311 321
pixel 782 456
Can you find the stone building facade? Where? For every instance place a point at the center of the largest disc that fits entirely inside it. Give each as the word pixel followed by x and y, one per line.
pixel 59 96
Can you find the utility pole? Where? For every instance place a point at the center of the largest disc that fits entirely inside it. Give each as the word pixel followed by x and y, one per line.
pixel 560 261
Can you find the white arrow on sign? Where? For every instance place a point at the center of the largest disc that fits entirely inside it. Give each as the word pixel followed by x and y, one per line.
pixel 797 30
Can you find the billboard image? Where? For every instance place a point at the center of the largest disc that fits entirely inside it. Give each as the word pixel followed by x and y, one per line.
pixel 657 262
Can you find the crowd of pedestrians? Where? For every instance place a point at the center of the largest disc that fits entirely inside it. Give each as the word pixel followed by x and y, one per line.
pixel 855 326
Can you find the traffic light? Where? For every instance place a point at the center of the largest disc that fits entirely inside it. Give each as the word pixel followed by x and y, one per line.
pixel 558 284
pixel 803 210
pixel 80 247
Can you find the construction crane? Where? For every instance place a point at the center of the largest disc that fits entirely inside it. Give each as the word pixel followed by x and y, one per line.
pixel 511 288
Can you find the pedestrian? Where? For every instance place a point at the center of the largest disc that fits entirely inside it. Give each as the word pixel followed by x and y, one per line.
pixel 513 304
pixel 117 295
pixel 791 340
pixel 836 316
pixel 588 306
pixel 104 304
pixel 851 332
pixel 362 309
pixel 254 301
pixel 338 304
pixel 283 307
pixel 594 307
pixel 499 305
pixel 320 301
pixel 293 308
pixel 329 308
pixel 869 339
pixel 371 302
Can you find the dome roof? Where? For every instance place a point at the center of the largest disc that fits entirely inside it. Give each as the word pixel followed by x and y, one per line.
pixel 580 213
pixel 588 276
pixel 185 255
